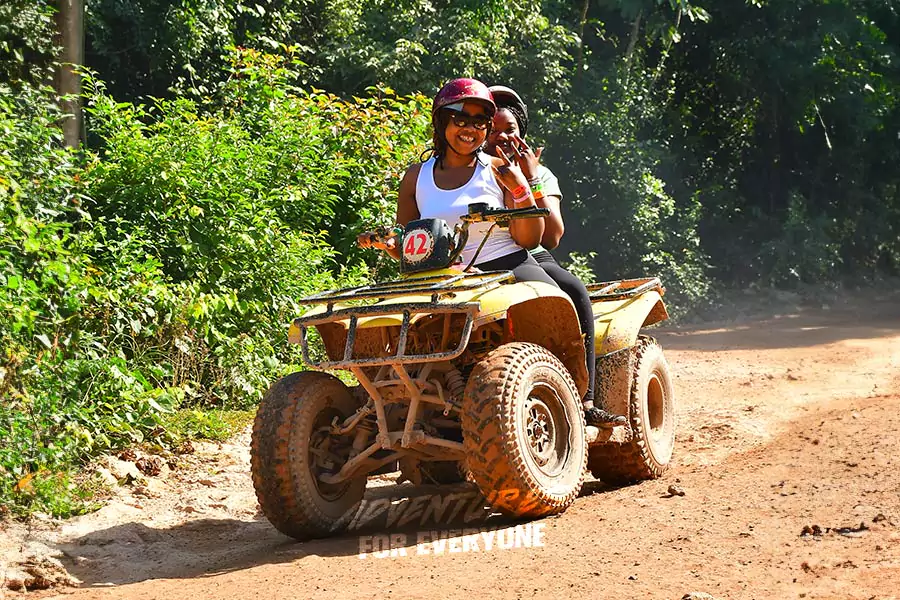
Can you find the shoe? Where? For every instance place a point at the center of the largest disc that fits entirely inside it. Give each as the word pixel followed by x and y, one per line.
pixel 601 418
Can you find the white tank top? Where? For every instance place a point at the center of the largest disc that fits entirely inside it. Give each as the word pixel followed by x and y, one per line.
pixel 449 205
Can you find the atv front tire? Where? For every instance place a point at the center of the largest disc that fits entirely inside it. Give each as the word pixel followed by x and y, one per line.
pixel 288 447
pixel 524 431
pixel 651 417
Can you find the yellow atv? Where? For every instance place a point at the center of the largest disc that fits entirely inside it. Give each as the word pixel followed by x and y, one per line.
pixel 462 375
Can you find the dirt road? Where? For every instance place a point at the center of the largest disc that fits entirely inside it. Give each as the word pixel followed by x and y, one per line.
pixel 787 424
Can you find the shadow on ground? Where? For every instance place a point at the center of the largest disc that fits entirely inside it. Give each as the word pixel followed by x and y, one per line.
pixel 134 552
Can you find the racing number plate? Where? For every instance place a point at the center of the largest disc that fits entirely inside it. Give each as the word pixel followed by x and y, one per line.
pixel 418 244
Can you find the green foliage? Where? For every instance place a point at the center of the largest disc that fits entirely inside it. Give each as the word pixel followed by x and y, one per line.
pixel 580 266
pixel 614 185
pixel 26 40
pixel 210 424
pixel 65 392
pixel 806 251
pixel 159 273
pixel 417 45
pixel 787 130
pixel 152 47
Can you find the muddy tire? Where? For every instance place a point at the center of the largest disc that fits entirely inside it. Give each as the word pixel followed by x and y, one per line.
pixel 524 432
pixel 287 426
pixel 651 415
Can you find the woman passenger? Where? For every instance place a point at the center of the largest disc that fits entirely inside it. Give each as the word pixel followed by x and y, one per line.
pixel 507 134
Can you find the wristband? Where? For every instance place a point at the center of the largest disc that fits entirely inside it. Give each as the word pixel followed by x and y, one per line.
pixel 535 181
pixel 522 199
pixel 519 191
pixel 538 194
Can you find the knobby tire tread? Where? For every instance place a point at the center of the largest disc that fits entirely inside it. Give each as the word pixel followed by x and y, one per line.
pixel 620 464
pixel 490 435
pixel 283 496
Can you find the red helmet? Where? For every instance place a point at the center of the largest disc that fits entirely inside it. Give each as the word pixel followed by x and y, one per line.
pixel 463 90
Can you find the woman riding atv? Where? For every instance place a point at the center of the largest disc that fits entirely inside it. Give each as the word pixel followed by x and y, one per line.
pixel 507 136
pixel 460 173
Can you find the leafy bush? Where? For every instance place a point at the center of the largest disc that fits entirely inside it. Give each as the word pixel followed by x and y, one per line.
pixel 153 47
pixel 159 273
pixel 26 40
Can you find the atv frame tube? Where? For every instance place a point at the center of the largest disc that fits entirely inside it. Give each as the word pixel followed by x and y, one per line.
pixel 407 309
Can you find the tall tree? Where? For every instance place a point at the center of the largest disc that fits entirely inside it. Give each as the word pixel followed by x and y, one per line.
pixel 70 27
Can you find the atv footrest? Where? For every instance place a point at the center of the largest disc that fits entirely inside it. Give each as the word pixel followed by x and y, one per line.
pixel 616 435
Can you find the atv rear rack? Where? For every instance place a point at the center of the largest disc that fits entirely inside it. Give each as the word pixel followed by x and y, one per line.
pixel 408 309
pixel 624 288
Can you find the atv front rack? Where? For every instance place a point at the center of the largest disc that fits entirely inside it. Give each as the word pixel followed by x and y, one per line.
pixel 435 285
pixel 408 309
pixel 624 288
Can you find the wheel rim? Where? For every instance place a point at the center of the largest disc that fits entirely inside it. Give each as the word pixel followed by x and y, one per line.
pixel 656 404
pixel 660 429
pixel 547 430
pixel 322 459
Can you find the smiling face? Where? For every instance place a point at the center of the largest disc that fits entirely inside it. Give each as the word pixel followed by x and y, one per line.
pixel 504 128
pixel 461 134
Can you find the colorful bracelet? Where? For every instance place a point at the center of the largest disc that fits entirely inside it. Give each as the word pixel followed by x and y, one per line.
pixel 538 194
pixel 519 191
pixel 522 199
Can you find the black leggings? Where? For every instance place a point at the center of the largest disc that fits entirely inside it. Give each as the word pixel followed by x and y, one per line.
pixel 579 294
pixel 522 264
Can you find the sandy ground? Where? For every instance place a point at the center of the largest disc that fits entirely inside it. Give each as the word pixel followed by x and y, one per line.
pixel 786 423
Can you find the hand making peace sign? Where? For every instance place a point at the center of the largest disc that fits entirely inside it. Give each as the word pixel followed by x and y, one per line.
pixel 509 174
pixel 526 159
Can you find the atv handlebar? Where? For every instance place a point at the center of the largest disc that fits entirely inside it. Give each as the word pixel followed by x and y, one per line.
pixel 381 235
pixel 480 212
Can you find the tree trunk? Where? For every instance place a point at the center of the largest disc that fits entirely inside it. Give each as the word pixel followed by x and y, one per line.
pixel 70 26
pixel 632 41
pixel 578 59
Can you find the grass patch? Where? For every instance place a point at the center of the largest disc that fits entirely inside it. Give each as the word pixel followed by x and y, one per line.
pixel 61 494
pixel 210 424
pixel 72 492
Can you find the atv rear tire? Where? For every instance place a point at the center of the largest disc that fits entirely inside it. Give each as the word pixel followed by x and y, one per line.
pixel 652 418
pixel 290 422
pixel 524 432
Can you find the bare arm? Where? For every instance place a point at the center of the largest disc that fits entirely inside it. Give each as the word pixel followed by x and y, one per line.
pixel 407 210
pixel 526 232
pixel 554 228
pixel 529 161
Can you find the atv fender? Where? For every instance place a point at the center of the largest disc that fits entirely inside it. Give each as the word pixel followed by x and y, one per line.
pixel 617 323
pixel 617 326
pixel 551 321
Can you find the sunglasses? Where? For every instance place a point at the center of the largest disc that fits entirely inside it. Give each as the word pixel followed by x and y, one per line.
pixel 462 119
